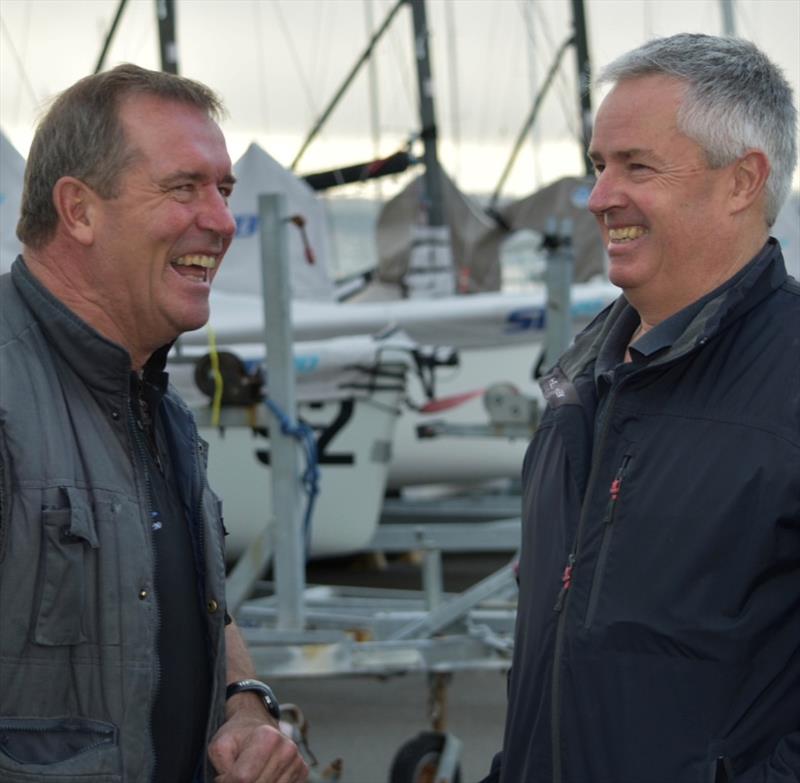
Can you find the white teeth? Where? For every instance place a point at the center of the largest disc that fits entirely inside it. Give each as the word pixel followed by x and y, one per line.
pixel 626 233
pixel 207 262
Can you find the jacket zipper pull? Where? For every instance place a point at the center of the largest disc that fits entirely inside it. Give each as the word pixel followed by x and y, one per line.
pixel 566 581
pixel 616 484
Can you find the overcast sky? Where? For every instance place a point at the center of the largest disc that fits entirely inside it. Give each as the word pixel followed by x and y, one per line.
pixel 278 62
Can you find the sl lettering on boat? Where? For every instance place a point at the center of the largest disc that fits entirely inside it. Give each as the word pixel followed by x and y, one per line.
pixel 246 225
pixel 304 364
pixel 524 319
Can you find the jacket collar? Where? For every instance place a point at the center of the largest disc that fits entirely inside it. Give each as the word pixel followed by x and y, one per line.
pixel 764 274
pixel 100 363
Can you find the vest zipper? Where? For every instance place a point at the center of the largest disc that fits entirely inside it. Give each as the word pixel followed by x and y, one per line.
pixel 608 527
pixel 155 524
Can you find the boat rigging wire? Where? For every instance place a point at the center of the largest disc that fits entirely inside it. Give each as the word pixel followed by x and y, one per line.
pixel 530 120
pixel 451 39
pixel 261 60
pixel 101 60
pixel 403 67
pixel 20 65
pixel 349 78
pixel 564 89
pixel 373 94
pixel 295 58
pixel 489 85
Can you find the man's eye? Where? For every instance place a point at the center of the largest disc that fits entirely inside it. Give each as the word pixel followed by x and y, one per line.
pixel 598 168
pixel 183 190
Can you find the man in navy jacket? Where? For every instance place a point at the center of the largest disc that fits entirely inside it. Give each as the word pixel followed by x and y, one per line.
pixel 658 631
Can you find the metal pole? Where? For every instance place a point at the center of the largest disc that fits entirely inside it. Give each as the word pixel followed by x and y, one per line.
pixel 101 60
pixel 348 79
pixel 584 69
pixel 726 7
pixel 167 44
pixel 286 487
pixel 560 262
pixel 433 173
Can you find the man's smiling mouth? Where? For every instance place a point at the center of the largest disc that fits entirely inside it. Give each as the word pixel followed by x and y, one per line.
pixel 194 265
pixel 626 233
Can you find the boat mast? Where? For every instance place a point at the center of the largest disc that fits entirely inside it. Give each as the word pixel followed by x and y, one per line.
pixel 584 71
pixel 168 47
pixel 433 197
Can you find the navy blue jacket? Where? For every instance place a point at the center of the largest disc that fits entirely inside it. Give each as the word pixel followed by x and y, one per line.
pixel 658 630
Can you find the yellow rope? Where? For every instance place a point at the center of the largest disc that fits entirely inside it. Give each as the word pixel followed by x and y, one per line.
pixel 216 404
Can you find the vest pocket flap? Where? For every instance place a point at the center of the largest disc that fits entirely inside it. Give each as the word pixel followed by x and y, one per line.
pixel 61 587
pixel 58 747
pixel 81 520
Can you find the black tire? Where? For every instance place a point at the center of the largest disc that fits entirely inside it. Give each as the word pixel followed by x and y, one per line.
pixel 418 760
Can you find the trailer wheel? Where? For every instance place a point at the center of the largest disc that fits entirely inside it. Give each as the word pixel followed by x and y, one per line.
pixel 418 760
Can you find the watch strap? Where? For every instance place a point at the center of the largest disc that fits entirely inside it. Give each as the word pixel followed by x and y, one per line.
pixel 260 688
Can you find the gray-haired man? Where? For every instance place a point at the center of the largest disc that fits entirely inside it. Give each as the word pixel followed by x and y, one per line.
pixel 658 633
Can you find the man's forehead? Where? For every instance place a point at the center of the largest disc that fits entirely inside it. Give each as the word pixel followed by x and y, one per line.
pixel 184 134
pixel 149 115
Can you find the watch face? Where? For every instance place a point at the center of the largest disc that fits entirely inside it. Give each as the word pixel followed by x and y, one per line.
pixel 273 708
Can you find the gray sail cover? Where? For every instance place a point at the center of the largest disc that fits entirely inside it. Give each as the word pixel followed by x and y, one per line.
pixel 470 229
pixel 476 237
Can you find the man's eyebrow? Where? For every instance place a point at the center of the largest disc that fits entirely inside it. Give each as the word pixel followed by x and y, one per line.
pixel 193 176
pixel 627 154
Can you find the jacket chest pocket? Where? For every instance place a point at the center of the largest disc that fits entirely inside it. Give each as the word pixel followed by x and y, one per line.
pixel 77 580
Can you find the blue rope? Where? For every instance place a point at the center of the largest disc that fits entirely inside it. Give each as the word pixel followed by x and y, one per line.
pixel 310 478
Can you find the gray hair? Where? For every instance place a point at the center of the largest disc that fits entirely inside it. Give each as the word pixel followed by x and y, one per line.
pixel 80 136
pixel 736 100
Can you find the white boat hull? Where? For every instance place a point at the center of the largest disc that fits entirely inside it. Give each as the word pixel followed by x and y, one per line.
pixel 351 491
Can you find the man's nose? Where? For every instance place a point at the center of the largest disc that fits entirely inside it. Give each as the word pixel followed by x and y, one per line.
pixel 216 215
pixel 606 193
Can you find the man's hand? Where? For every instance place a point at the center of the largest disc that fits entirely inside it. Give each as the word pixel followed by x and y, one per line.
pixel 249 749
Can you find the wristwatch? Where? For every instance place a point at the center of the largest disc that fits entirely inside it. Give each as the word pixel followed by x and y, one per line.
pixel 260 688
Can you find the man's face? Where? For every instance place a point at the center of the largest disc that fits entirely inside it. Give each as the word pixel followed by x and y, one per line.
pixel 657 201
pixel 159 243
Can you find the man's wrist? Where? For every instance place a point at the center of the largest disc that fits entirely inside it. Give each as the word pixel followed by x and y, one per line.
pixel 253 696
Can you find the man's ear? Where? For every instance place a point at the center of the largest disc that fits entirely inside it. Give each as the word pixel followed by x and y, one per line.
pixel 749 178
pixel 74 202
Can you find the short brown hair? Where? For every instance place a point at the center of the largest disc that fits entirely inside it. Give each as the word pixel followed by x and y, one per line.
pixel 80 136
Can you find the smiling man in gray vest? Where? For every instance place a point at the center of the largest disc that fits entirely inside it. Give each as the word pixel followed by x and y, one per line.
pixel 116 652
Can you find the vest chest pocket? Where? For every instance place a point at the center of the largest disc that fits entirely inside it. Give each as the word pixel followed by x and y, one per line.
pixel 62 593
pixel 68 559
